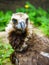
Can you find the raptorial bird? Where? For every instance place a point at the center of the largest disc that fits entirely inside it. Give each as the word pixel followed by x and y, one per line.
pixel 19 30
pixel 23 38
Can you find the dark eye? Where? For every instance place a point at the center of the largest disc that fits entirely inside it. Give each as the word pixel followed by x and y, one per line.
pixel 27 21
pixel 14 21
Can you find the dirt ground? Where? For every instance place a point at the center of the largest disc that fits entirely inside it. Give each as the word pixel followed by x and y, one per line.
pixel 3 37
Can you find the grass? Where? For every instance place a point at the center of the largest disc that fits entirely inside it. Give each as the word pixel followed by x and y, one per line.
pixel 5 51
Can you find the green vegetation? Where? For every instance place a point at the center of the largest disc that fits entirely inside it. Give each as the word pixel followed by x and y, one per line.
pixel 4 19
pixel 39 17
pixel 5 51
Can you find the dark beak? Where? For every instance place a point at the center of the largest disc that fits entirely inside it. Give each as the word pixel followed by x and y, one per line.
pixel 22 25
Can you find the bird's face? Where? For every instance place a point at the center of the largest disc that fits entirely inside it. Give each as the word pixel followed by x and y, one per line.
pixel 20 21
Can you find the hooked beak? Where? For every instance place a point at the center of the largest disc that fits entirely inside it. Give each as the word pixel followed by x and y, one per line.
pixel 21 26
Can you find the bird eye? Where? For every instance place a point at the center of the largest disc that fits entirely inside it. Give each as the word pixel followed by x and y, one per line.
pixel 27 21
pixel 14 21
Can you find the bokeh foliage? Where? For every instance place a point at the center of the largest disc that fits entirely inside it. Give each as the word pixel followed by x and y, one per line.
pixel 38 15
pixel 4 19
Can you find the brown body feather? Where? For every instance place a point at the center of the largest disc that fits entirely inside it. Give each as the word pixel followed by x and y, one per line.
pixel 17 39
pixel 33 56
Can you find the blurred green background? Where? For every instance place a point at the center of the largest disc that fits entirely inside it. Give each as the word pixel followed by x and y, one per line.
pixel 37 14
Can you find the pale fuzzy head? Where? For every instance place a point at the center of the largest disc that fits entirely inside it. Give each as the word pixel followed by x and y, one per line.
pixel 19 21
pixel 20 18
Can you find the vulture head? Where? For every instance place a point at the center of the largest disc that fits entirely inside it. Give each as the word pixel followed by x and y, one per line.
pixel 20 21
